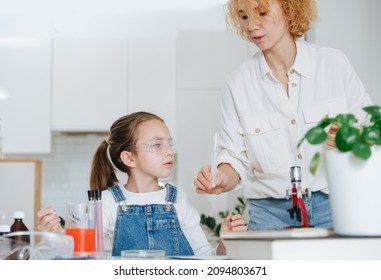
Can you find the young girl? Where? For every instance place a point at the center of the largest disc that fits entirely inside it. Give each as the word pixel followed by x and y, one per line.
pixel 143 214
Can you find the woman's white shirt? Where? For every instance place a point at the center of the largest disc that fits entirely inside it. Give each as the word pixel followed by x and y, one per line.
pixel 261 124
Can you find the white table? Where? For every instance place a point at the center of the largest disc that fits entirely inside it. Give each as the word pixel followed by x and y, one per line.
pixel 300 244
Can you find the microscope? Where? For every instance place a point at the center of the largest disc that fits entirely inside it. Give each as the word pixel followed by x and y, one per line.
pixel 298 209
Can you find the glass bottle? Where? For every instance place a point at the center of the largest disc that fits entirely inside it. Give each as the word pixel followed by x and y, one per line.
pixel 19 225
pixel 5 244
pixel 4 229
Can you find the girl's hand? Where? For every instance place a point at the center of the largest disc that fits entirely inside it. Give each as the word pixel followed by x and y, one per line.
pixel 234 223
pixel 231 223
pixel 48 220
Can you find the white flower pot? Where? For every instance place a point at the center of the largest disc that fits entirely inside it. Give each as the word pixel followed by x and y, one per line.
pixel 355 192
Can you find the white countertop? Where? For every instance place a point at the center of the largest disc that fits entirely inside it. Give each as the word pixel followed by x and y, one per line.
pixel 300 244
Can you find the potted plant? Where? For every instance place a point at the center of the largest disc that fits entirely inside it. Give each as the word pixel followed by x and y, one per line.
pixel 353 171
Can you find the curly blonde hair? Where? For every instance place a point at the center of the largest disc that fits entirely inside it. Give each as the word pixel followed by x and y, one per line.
pixel 299 14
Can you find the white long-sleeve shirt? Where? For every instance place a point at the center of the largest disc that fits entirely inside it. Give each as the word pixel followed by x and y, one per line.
pixel 188 217
pixel 261 125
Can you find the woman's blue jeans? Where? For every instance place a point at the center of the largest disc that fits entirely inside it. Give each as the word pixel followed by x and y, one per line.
pixel 271 213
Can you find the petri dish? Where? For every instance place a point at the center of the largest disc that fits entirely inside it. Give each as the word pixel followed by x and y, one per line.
pixel 143 254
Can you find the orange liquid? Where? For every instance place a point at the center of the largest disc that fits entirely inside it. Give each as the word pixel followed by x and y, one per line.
pixel 84 239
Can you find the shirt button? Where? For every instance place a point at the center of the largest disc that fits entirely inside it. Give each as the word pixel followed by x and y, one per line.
pixel 257 130
pixel 293 84
pixel 292 71
pixel 293 121
pixel 300 156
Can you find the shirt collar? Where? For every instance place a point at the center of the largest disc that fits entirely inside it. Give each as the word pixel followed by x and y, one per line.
pixel 301 64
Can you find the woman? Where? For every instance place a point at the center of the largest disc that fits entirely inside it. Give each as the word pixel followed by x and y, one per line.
pixel 270 102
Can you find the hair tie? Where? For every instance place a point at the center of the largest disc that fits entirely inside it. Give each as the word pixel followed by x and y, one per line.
pixel 108 140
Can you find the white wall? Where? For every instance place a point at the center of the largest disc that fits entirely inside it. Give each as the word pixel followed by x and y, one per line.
pixel 353 26
pixel 204 58
pixel 107 18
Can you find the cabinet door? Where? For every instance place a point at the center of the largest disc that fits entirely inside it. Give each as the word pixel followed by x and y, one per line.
pixel 25 74
pixel 89 83
pixel 152 78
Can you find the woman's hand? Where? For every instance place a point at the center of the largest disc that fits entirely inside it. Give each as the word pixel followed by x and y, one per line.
pixel 203 182
pixel 231 223
pixel 48 220
pixel 332 135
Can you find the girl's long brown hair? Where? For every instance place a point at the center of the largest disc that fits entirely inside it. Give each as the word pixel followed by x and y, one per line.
pixel 122 138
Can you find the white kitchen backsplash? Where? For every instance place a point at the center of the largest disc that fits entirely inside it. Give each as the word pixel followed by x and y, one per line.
pixel 65 172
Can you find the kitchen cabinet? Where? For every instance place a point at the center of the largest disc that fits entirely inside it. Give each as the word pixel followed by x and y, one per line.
pixel 89 83
pixel 152 77
pixel 25 74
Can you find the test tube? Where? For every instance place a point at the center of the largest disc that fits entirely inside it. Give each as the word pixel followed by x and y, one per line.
pixel 99 220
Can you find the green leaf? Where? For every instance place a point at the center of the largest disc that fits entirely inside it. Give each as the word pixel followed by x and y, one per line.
pixel 374 110
pixel 346 119
pixel 217 230
pixel 314 164
pixel 346 138
pixel 372 135
pixel 222 214
pixel 211 222
pixel 316 135
pixel 203 219
pixel 326 122
pixel 300 142
pixel 362 150
pixel 376 120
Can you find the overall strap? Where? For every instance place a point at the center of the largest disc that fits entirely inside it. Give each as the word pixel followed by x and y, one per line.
pixel 117 193
pixel 171 195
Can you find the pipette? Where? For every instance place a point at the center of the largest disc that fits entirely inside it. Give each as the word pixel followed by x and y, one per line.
pixel 214 160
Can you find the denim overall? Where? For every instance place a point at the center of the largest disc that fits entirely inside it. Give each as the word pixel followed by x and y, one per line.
pixel 149 227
